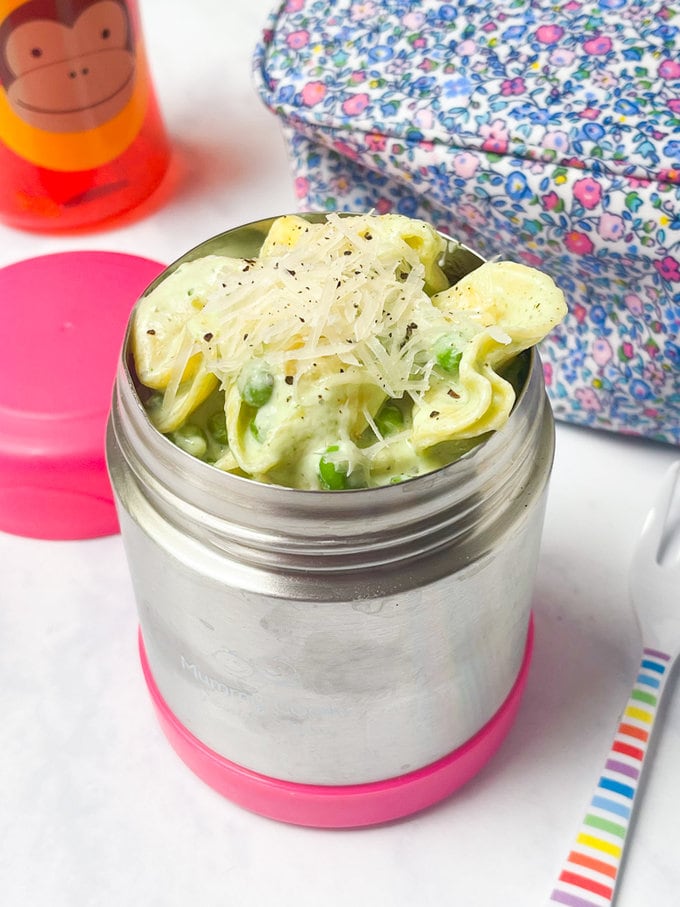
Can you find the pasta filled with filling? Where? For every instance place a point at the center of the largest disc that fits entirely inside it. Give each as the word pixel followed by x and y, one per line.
pixel 340 357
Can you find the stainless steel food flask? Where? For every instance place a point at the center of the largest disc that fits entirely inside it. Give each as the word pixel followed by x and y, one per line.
pixel 332 638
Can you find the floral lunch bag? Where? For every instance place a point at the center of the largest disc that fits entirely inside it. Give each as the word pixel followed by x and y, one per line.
pixel 541 132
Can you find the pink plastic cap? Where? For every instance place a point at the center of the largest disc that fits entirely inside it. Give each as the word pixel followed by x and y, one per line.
pixel 63 322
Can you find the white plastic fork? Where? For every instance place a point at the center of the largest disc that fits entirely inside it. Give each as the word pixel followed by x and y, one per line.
pixel 591 871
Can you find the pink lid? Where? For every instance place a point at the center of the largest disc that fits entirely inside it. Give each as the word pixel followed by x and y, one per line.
pixel 63 322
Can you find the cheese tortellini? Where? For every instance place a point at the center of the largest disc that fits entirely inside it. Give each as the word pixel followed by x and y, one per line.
pixel 340 357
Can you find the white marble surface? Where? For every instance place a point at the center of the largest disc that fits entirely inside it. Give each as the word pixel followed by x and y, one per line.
pixel 96 809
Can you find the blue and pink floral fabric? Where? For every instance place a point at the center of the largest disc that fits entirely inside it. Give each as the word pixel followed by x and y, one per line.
pixel 541 131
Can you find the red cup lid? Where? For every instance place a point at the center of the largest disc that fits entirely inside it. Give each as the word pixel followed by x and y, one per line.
pixel 63 322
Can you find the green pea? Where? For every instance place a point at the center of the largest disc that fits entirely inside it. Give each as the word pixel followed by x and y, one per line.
pixel 450 360
pixel 333 475
pixel 217 426
pixel 389 419
pixel 447 354
pixel 257 387
pixel 191 439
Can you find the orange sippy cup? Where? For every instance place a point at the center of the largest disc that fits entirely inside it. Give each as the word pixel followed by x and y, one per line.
pixel 81 136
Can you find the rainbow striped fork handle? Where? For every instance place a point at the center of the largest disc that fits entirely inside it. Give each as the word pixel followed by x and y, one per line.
pixel 591 870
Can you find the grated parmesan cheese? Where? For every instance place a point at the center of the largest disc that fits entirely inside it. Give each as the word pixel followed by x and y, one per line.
pixel 328 297
pixel 339 317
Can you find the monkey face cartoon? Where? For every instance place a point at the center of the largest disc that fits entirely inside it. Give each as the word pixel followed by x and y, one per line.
pixel 74 82
pixel 69 76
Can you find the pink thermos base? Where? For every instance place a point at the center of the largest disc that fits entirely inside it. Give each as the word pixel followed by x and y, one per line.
pixel 344 806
